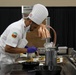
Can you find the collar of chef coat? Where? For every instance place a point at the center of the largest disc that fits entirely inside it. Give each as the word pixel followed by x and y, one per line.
pixel 26 28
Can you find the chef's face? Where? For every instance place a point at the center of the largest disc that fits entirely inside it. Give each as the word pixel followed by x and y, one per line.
pixel 28 22
pixel 33 26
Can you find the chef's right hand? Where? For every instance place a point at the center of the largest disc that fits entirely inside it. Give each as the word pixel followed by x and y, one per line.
pixel 31 49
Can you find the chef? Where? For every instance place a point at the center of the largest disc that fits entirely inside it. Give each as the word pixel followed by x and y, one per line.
pixel 13 40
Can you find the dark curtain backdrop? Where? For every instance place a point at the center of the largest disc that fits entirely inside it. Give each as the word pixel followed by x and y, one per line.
pixel 62 19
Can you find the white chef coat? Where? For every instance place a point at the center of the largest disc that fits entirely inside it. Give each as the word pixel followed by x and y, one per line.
pixel 14 35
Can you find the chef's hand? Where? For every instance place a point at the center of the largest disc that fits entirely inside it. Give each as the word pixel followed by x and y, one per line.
pixel 31 49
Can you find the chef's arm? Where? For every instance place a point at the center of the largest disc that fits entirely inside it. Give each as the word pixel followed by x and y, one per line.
pixel 16 50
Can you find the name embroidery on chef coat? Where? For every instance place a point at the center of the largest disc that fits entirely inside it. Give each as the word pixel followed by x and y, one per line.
pixel 14 34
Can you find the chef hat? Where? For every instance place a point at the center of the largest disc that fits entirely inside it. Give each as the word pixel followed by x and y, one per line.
pixel 38 13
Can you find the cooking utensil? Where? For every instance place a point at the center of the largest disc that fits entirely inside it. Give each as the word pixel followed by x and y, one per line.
pixel 50 57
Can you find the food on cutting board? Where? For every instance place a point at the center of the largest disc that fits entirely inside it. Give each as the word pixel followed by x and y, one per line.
pixel 39 59
pixel 29 60
pixel 42 58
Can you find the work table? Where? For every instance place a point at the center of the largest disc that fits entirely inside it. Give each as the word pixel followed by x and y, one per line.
pixel 68 68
